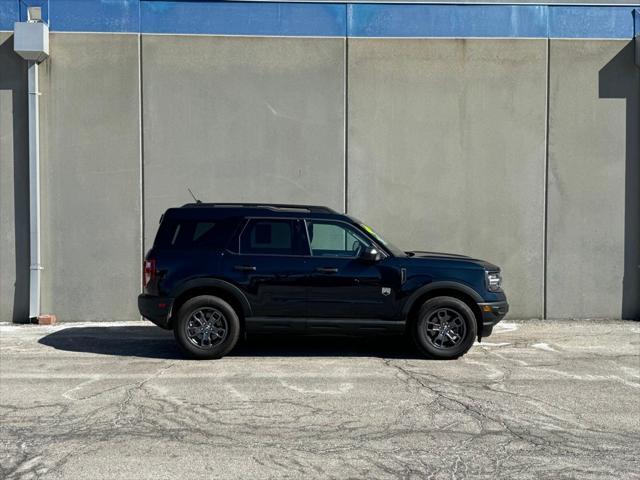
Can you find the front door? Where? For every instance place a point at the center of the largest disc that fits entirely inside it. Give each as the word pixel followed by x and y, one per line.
pixel 341 285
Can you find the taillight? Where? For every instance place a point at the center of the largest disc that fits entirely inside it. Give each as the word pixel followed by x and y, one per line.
pixel 149 271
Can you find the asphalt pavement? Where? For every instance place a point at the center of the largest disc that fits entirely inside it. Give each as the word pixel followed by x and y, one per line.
pixel 538 399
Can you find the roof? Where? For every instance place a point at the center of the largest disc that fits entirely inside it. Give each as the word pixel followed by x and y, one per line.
pixel 212 211
pixel 269 206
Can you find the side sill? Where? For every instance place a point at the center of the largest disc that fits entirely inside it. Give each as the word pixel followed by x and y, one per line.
pixel 323 326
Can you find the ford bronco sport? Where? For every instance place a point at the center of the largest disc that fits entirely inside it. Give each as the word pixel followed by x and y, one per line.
pixel 219 271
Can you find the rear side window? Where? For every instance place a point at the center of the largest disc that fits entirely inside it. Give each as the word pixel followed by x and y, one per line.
pixel 187 234
pixel 274 237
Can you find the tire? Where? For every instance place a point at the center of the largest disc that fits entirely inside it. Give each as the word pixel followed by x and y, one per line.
pixel 460 329
pixel 206 327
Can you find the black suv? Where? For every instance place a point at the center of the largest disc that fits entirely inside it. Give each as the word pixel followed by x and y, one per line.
pixel 219 271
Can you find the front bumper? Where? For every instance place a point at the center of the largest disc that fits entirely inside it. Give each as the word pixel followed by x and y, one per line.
pixel 492 313
pixel 156 309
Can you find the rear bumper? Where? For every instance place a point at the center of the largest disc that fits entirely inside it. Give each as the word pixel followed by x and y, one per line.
pixel 492 313
pixel 156 309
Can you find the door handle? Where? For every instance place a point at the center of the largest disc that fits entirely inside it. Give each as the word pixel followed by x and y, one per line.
pixel 245 268
pixel 327 270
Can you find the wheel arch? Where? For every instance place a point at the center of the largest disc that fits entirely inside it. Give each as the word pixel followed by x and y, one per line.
pixel 216 287
pixel 440 289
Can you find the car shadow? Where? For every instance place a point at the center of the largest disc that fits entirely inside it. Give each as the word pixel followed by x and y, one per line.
pixel 151 342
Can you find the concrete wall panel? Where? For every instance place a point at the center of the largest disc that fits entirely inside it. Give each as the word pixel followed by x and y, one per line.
pixel 446 144
pixel 593 209
pixel 14 185
pixel 242 119
pixel 90 177
pixel 446 150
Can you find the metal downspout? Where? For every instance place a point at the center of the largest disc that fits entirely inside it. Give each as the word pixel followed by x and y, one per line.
pixel 31 42
pixel 34 192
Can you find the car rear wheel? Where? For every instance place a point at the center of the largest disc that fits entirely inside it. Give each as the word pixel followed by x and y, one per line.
pixel 206 327
pixel 445 328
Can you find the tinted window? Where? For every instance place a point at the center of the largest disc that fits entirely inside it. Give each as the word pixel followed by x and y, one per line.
pixel 195 234
pixel 201 229
pixel 275 237
pixel 334 239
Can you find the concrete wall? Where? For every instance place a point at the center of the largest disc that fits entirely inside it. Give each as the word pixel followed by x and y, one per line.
pixel 452 133
pixel 14 184
pixel 447 150
pixel 593 209
pixel 91 177
pixel 242 119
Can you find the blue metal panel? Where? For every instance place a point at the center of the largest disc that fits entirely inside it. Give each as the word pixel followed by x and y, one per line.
pixel 228 18
pixel 590 22
pixel 94 15
pixel 25 4
pixel 328 19
pixel 9 13
pixel 16 11
pixel 393 20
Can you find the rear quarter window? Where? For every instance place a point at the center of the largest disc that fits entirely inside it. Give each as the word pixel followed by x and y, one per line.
pixel 190 234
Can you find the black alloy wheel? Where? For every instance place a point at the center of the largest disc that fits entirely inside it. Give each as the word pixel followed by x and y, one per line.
pixel 206 327
pixel 445 328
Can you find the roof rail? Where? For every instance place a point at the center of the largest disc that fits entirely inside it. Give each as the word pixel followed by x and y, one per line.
pixel 271 206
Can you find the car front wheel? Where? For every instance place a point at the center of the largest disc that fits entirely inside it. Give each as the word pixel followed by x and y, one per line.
pixel 206 327
pixel 445 328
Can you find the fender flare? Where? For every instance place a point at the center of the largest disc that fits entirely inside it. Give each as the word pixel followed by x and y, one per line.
pixel 219 284
pixel 460 287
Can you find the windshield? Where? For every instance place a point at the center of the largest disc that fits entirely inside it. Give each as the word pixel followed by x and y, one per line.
pixel 396 252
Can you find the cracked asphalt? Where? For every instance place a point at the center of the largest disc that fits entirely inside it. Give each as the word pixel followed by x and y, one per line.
pixel 538 399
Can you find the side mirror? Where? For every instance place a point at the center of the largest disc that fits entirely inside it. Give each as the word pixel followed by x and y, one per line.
pixel 370 254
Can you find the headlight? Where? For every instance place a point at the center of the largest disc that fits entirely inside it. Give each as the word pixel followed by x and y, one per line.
pixel 494 281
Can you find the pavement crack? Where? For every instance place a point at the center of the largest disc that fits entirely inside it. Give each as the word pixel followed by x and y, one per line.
pixel 476 412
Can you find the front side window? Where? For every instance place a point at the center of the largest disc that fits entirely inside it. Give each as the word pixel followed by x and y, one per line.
pixel 335 239
pixel 273 237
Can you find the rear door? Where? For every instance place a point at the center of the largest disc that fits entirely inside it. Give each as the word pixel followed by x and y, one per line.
pixel 270 266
